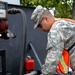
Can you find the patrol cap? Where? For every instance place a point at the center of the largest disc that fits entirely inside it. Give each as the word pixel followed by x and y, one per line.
pixel 36 15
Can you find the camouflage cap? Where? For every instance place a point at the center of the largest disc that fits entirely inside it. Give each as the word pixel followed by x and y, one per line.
pixel 36 15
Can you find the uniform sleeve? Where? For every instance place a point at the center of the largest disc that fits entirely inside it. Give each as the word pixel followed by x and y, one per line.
pixel 55 47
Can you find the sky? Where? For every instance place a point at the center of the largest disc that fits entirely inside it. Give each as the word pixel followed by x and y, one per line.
pixel 16 2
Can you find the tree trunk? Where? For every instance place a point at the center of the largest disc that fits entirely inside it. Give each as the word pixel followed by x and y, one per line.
pixel 73 13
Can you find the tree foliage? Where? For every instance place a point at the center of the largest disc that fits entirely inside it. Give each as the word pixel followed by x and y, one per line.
pixel 63 8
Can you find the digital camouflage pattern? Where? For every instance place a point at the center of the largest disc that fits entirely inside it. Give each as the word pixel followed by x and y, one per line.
pixel 60 36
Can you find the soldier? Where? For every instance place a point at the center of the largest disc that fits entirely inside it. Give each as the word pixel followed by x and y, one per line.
pixel 61 35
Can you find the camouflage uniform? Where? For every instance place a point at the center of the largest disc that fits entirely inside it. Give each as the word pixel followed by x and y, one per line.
pixel 60 36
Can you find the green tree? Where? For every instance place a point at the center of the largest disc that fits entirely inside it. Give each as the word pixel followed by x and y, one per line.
pixel 63 8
